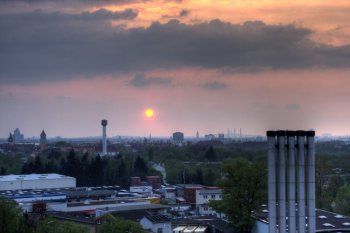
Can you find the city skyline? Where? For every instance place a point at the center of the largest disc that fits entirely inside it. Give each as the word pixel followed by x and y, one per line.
pixel 201 65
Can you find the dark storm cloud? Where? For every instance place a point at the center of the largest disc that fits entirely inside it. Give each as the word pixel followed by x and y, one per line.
pixel 40 46
pixel 215 85
pixel 140 81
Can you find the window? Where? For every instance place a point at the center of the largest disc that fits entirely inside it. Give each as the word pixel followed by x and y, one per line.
pixel 205 208
pixel 213 196
pixel 205 196
pixel 160 230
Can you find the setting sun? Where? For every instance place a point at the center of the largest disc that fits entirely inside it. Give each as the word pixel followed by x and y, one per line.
pixel 149 113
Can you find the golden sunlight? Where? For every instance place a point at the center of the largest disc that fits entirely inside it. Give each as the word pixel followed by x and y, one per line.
pixel 149 113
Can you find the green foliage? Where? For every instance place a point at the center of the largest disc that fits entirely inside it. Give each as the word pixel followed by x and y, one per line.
pixel 10 163
pixel 244 186
pixel 11 218
pixel 120 226
pixel 51 225
pixel 140 167
pixel 210 154
pixel 342 201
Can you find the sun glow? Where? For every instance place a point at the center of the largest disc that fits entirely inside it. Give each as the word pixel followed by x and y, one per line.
pixel 149 113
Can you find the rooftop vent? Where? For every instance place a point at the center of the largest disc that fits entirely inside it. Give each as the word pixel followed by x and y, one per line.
pixel 327 225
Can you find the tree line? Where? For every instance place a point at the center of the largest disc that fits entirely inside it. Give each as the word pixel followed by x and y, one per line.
pixel 90 170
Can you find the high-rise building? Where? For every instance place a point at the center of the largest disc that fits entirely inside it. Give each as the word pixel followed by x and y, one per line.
pixel 178 137
pixel 17 136
pixel 43 140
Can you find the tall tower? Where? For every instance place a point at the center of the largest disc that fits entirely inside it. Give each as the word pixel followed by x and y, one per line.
pixel 104 137
pixel 197 135
pixel 291 181
pixel 43 140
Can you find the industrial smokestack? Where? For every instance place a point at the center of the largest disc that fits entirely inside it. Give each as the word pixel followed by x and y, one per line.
pixel 291 158
pixel 240 134
pixel 310 139
pixel 291 181
pixel 281 135
pixel 271 154
pixel 301 181
pixel 104 137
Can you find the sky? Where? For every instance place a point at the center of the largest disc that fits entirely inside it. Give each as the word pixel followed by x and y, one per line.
pixel 205 65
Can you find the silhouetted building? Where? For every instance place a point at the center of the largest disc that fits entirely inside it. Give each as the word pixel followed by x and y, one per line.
pixel 10 139
pixel 178 137
pixel 43 140
pixel 17 136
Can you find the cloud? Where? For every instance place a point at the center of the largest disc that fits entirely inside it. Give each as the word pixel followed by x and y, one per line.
pixel 41 46
pixel 215 85
pixel 293 107
pixel 63 98
pixel 184 13
pixel 181 14
pixel 141 81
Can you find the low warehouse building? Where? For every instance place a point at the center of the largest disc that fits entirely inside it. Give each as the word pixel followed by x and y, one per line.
pixel 36 181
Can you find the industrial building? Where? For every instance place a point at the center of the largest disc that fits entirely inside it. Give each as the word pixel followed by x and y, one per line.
pixel 291 181
pixel 36 181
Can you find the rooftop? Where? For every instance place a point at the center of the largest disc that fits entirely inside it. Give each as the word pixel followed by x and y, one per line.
pixel 49 176
pixel 158 218
pixel 325 221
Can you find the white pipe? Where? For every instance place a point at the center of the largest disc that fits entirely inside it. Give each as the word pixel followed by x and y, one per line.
pixel 291 182
pixel 301 181
pixel 311 182
pixel 271 163
pixel 281 182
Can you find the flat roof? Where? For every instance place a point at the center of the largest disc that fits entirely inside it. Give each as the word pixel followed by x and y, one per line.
pixel 210 191
pixel 48 176
pixel 325 221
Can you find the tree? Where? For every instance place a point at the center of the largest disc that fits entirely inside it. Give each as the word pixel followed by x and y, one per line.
pixel 140 167
pixel 11 218
pixel 121 174
pixel 199 176
pixel 244 186
pixel 342 200
pixel 120 226
pixel 96 170
pixel 51 225
pixel 150 154
pixel 210 154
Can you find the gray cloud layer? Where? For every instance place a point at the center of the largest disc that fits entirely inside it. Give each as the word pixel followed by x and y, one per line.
pixel 38 46
pixel 140 81
pixel 215 85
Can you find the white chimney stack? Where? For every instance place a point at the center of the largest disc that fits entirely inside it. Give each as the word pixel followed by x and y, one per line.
pixel 291 181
